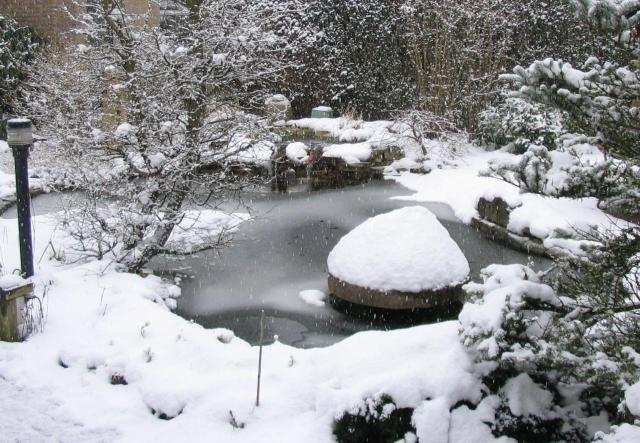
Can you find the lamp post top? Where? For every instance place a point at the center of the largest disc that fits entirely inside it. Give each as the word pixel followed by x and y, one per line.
pixel 19 132
pixel 19 123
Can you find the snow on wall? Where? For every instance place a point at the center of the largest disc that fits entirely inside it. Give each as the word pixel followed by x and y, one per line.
pixel 350 152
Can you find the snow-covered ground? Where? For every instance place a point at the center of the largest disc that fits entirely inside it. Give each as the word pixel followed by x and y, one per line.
pixel 113 363
pixel 553 220
pixel 105 328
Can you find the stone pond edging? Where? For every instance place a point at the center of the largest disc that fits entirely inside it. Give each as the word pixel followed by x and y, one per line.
pixel 492 224
pixel 395 300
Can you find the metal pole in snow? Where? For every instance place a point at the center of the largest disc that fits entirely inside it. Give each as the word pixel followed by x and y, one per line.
pixel 20 139
pixel 260 357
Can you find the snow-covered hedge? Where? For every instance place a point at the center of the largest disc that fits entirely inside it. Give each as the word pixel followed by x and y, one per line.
pixel 18 46
pixel 544 362
pixel 515 123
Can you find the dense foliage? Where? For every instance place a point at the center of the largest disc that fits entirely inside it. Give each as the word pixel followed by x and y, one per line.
pixel 569 338
pixel 18 48
pixel 349 54
pixel 374 57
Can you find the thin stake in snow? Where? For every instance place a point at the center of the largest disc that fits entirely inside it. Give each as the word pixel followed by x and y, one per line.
pixel 260 356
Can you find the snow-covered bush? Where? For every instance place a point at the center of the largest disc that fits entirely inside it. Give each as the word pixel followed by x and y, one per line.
pixel 577 171
pixel 547 357
pixel 601 99
pixel 563 346
pixel 417 129
pixel 18 48
pixel 153 119
pixel 346 53
pixel 529 172
pixel 615 184
pixel 515 123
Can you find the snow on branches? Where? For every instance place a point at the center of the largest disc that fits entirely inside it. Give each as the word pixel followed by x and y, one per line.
pixel 146 115
pixel 545 358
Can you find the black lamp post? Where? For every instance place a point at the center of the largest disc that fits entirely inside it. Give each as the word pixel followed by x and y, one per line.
pixel 20 139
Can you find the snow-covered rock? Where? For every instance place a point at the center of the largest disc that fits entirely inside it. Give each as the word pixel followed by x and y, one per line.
pixel 350 130
pixel 404 250
pixel 313 297
pixel 297 152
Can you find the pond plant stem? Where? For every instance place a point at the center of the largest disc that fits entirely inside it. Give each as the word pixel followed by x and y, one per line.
pixel 260 357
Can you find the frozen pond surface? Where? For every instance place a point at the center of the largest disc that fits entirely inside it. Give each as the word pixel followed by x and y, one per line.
pixel 284 251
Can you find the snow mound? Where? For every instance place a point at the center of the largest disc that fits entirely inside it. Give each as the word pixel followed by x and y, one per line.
pixel 11 281
pixel 312 297
pixel 297 152
pixel 404 250
pixel 349 152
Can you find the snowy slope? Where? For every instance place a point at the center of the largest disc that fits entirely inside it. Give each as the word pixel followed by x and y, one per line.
pixel 460 186
pixel 104 326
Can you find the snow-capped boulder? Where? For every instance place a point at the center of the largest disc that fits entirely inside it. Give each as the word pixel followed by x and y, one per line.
pixel 297 152
pixel 396 255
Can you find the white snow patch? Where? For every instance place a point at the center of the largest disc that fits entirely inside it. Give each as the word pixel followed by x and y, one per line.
pixel 632 398
pixel 431 420
pixel 313 297
pixel 200 228
pixel 11 281
pixel 349 152
pixel 350 130
pixel 457 185
pixel 624 433
pixel 525 397
pixel 124 130
pixel 460 186
pixel 297 152
pixel 405 250
pixel 243 149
